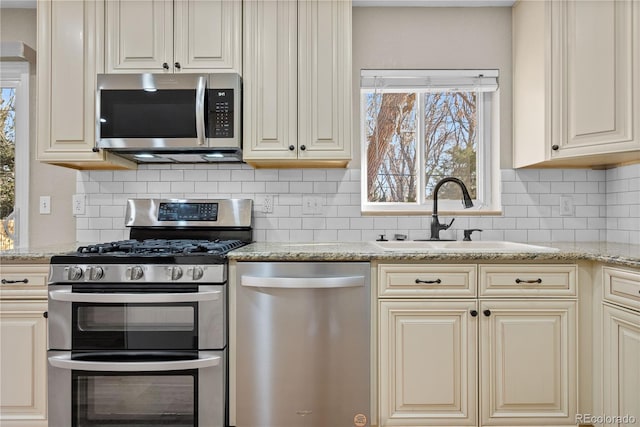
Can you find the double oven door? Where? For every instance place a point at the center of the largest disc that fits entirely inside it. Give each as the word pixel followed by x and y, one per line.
pixel 134 356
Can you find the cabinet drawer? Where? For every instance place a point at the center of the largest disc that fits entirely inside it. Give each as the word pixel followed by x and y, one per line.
pixel 24 281
pixel 622 287
pixel 530 280
pixel 419 280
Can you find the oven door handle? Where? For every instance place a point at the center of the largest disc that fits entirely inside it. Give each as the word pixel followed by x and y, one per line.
pixel 302 282
pixel 68 296
pixel 64 361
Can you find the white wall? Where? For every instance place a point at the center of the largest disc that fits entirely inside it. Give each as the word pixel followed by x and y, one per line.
pixel 45 180
pixel 428 37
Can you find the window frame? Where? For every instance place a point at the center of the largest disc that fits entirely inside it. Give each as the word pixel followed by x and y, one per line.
pixel 487 201
pixel 15 74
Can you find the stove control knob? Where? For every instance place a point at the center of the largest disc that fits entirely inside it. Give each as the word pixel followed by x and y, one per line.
pixel 176 273
pixel 197 273
pixel 95 273
pixel 74 273
pixel 135 272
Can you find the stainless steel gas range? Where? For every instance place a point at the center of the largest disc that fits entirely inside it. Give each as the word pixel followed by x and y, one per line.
pixel 138 328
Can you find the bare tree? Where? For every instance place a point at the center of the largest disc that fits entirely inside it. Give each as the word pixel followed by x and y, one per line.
pixel 449 138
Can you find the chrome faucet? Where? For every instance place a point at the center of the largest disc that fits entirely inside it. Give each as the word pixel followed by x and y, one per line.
pixel 435 223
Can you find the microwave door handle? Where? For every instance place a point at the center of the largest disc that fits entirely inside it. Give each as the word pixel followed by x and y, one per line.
pixel 201 90
pixel 205 360
pixel 68 296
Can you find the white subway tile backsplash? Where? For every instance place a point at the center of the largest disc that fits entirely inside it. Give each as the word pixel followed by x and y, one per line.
pixel 314 175
pixel 172 175
pixel 606 203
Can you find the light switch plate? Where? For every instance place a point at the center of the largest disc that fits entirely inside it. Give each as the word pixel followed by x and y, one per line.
pixel 45 205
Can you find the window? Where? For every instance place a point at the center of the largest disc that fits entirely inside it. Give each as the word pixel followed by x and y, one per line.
pixel 14 153
pixel 419 126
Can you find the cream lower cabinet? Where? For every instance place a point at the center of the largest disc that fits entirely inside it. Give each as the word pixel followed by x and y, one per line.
pixel 506 357
pixel 528 363
pixel 297 83
pixel 428 363
pixel 23 346
pixel 70 37
pixel 621 347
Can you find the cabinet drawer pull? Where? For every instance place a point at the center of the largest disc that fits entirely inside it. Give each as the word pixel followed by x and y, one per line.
pixel 5 281
pixel 487 313
pixel 473 313
pixel 529 281
pixel 429 281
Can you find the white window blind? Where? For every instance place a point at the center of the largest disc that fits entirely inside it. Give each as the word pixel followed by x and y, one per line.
pixel 429 80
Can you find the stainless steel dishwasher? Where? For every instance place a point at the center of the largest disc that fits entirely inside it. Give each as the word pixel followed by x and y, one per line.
pixel 303 344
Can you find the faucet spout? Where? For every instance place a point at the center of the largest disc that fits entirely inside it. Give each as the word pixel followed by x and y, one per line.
pixel 436 226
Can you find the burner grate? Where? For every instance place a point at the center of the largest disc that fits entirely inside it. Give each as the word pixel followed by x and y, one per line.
pixel 162 246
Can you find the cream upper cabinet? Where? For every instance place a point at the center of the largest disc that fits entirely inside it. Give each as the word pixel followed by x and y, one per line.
pixel 69 58
pixel 297 83
pixel 23 345
pixel 428 363
pixel 576 78
pixel 173 36
pixel 528 363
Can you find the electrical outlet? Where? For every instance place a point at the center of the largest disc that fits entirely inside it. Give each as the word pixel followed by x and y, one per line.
pixel 78 204
pixel 267 204
pixel 312 205
pixel 45 205
pixel 566 206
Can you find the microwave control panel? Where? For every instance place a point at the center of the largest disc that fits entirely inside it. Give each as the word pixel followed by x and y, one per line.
pixel 221 111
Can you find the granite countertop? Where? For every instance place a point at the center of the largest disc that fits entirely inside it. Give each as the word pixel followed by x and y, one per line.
pixel 38 254
pixel 612 253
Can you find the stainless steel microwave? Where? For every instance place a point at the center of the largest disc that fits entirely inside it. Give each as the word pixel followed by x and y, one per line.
pixel 170 118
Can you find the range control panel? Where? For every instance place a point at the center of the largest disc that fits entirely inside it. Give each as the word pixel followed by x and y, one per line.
pixel 188 212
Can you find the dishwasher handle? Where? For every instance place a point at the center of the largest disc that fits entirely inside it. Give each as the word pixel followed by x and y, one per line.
pixel 302 282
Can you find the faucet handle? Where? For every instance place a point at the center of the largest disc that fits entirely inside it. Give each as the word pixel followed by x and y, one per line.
pixel 381 238
pixel 446 226
pixel 467 234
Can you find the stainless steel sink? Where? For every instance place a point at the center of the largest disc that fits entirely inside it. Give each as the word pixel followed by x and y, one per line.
pixel 461 246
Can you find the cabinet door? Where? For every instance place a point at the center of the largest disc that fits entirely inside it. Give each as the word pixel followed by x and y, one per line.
pixel 23 369
pixel 528 362
pixel 621 330
pixel 596 49
pixel 69 58
pixel 139 36
pixel 270 78
pixel 208 35
pixel 427 363
pixel 324 80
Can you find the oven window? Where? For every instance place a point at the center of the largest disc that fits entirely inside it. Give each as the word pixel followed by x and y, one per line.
pixel 170 326
pixel 157 399
pixel 135 318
